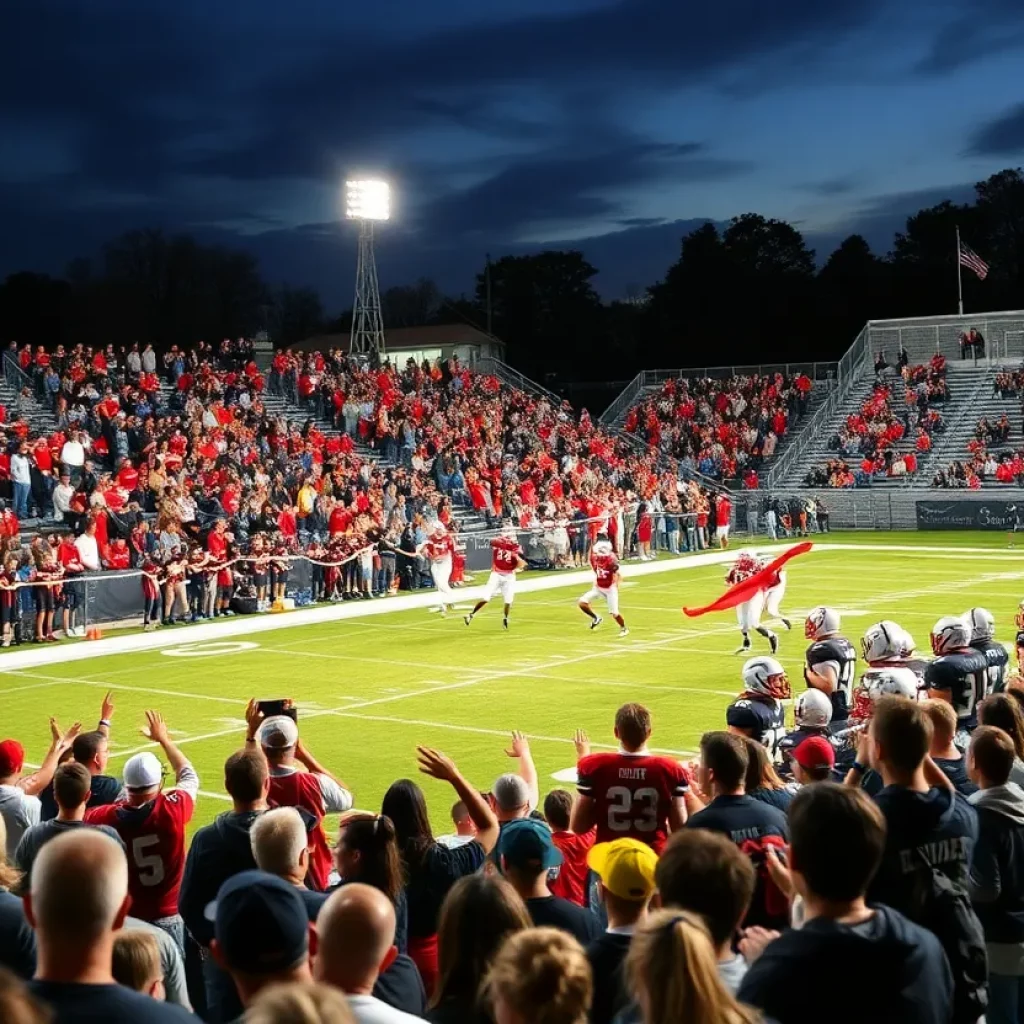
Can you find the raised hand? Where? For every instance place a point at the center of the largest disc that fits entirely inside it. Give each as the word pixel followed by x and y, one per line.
pixel 436 765
pixel 581 741
pixel 155 728
pixel 107 707
pixel 520 745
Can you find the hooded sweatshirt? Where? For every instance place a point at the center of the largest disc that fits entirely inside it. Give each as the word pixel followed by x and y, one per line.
pixel 996 883
pixel 904 973
pixel 938 828
pixel 218 852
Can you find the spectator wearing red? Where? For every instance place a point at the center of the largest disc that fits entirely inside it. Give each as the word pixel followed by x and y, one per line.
pixel 571 883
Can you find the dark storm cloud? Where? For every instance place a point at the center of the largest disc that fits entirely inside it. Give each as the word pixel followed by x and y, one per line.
pixel 1002 136
pixel 829 187
pixel 977 29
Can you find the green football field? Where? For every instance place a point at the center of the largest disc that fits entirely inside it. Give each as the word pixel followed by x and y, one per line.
pixel 369 690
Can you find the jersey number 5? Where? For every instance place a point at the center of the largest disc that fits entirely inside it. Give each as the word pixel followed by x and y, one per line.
pixel 625 803
pixel 151 867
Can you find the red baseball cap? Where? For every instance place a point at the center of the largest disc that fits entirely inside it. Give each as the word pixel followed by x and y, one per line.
pixel 12 758
pixel 814 752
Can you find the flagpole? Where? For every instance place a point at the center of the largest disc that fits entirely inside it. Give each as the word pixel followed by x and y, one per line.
pixel 959 275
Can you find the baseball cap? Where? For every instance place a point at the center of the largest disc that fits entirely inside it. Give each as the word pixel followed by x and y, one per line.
pixel 260 923
pixel 142 771
pixel 279 732
pixel 814 752
pixel 526 843
pixel 625 867
pixel 12 757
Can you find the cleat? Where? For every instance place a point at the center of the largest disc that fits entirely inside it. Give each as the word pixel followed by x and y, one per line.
pixel 504 623
pixel 597 622
pixel 743 648
pixel 467 619
pixel 787 623
pixel 623 631
pixel 773 640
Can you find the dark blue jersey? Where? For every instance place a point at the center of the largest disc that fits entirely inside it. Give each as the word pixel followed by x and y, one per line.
pixel 998 660
pixel 761 721
pixel 962 674
pixel 838 653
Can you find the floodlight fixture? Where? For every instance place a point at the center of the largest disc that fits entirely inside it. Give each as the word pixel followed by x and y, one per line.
pixel 367 199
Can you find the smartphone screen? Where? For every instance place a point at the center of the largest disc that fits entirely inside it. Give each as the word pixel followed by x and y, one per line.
pixel 270 708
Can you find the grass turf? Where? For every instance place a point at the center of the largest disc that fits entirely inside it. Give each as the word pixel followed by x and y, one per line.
pixel 370 690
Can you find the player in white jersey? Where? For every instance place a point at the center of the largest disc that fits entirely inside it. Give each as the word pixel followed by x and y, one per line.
pixel 439 548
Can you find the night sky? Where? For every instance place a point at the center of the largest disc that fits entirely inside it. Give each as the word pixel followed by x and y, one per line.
pixel 503 125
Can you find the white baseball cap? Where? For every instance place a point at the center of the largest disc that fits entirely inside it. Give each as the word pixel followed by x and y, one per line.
pixel 279 732
pixel 143 771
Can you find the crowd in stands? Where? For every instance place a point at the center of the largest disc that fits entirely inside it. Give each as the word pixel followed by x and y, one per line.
pixel 172 465
pixel 886 438
pixel 725 429
pixel 744 887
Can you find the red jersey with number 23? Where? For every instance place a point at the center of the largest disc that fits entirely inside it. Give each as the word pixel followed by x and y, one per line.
pixel 505 554
pixel 154 835
pixel 633 794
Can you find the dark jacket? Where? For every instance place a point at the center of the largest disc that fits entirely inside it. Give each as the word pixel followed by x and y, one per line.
pixel 218 852
pixel 996 883
pixel 938 827
pixel 906 979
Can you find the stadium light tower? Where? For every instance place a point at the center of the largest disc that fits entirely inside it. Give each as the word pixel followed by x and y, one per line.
pixel 367 201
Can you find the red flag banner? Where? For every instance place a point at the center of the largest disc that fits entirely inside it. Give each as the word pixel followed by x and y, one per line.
pixel 740 592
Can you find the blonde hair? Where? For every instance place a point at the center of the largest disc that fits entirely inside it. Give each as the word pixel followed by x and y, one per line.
pixel 300 1003
pixel 136 960
pixel 10 876
pixel 543 975
pixel 17 1004
pixel 672 970
pixel 943 718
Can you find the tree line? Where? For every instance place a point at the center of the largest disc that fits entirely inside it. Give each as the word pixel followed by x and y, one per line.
pixel 745 292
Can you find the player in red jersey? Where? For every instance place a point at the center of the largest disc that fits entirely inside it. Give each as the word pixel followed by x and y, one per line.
pixel 152 825
pixel 506 561
pixel 439 548
pixel 606 585
pixel 632 792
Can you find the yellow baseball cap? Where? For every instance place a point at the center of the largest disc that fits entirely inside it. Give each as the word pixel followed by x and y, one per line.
pixel 625 867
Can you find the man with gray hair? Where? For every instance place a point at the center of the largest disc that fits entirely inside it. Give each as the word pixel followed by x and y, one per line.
pixel 77 902
pixel 515 795
pixel 280 846
pixel 315 790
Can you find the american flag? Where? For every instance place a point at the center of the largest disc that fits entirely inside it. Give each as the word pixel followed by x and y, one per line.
pixel 970 259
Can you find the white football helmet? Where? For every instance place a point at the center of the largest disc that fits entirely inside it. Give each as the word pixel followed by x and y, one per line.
pixel 821 621
pixel 765 676
pixel 950 633
pixel 883 682
pixel 982 624
pixel 813 710
pixel 886 641
pixel 437 529
pixel 602 546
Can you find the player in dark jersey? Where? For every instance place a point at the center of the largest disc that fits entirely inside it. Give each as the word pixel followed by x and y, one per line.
pixel 983 631
pixel 758 711
pixel 812 714
pixel 957 674
pixel 831 662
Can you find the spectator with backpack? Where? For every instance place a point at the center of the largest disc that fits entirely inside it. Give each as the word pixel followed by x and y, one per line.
pixel 996 883
pixel 751 824
pixel 838 841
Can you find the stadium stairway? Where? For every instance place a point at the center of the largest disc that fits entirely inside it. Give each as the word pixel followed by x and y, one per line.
pixel 967 384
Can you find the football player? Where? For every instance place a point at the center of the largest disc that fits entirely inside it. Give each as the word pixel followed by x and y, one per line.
pixel 812 714
pixel 831 662
pixel 887 644
pixel 631 793
pixel 749 612
pixel 957 674
pixel 439 548
pixel 758 711
pixel 983 631
pixel 606 585
pixel 506 561
pixel 773 597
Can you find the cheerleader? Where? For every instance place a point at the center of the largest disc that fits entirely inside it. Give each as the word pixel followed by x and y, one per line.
pixel 152 581
pixel 175 590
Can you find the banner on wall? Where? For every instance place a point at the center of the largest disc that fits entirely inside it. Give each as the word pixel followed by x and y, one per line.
pixel 965 514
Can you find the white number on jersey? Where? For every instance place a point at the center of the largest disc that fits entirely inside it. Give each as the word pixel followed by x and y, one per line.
pixel 151 867
pixel 625 802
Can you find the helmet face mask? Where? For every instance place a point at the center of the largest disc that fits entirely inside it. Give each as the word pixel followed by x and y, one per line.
pixel 767 678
